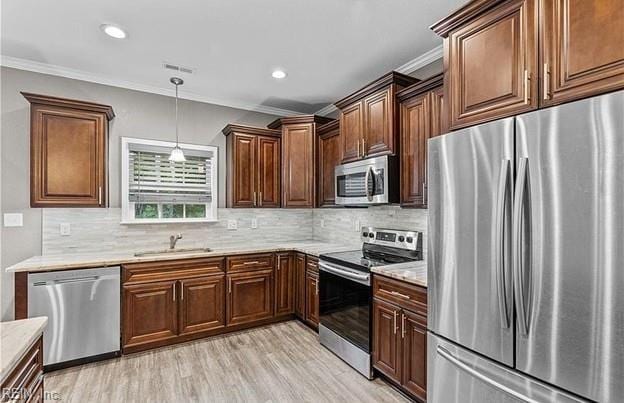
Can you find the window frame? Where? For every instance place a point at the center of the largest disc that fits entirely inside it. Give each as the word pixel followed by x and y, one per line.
pixel 128 207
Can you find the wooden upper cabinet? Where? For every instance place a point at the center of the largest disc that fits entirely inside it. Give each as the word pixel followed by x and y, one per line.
pixel 329 155
pixel 299 159
pixel 582 48
pixel 421 118
pixel 68 152
pixel 253 166
pixel 369 118
pixel 202 304
pixel 284 284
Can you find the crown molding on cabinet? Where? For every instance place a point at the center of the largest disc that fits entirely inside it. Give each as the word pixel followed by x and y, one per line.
pixel 60 71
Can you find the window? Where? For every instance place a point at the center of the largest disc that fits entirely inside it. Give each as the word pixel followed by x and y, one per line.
pixel 156 190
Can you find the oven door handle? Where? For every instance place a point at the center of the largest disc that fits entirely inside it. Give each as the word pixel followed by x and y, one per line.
pixel 360 278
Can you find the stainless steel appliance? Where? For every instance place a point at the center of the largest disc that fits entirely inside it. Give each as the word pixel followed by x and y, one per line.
pixel 526 257
pixel 366 182
pixel 82 307
pixel 345 291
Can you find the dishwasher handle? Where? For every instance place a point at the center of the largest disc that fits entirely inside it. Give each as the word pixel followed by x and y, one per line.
pixel 67 280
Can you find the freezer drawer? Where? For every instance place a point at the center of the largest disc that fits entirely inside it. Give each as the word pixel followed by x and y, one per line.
pixel 83 312
pixel 457 375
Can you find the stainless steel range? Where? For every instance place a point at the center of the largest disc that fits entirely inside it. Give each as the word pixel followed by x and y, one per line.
pixel 345 291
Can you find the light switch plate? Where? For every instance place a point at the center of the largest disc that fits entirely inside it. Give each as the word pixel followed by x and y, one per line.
pixel 322 223
pixel 232 224
pixel 65 229
pixel 254 223
pixel 356 227
pixel 13 220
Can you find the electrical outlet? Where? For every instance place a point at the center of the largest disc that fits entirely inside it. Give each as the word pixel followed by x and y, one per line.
pixel 254 223
pixel 356 227
pixel 13 220
pixel 322 223
pixel 65 229
pixel 232 224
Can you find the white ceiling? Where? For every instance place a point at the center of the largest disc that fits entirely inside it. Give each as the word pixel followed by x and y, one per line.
pixel 329 48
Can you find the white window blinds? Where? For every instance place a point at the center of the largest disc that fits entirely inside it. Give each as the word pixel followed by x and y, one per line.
pixel 155 179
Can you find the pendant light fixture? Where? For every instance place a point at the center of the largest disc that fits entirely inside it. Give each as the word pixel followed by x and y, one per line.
pixel 177 155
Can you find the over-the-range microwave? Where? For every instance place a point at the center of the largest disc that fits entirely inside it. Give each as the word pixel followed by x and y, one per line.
pixel 367 182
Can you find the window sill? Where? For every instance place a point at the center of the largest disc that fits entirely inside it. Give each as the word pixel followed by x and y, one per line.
pixel 168 221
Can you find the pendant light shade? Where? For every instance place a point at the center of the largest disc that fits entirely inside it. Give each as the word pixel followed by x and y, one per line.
pixel 177 155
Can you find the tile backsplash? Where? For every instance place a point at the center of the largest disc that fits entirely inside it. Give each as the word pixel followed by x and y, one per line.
pixel 93 230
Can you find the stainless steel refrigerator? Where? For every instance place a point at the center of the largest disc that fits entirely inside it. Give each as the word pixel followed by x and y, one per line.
pixel 526 257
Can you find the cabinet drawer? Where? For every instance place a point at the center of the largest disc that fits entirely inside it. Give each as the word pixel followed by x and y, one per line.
pixel 407 296
pixel 171 269
pixel 260 261
pixel 28 375
pixel 312 264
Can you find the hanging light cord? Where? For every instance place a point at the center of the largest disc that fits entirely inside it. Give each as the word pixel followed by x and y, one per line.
pixel 176 109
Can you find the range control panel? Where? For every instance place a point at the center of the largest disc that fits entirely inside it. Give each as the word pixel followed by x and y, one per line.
pixel 411 240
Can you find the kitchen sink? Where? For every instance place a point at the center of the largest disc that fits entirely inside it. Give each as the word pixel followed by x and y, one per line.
pixel 168 252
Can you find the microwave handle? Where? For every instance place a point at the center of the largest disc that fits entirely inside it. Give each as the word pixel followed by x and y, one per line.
pixel 369 193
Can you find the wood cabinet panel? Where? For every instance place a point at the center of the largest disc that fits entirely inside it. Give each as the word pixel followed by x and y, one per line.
pixel 26 378
pixel 387 339
pixel 437 113
pixel 414 371
pixel 329 156
pixel 400 293
pixel 582 45
pixel 257 261
pixel 284 284
pixel 482 90
pixel 269 171
pixel 312 298
pixel 378 138
pixel 415 129
pixel 202 304
pixel 298 165
pixel 171 269
pixel 250 297
pixel 351 131
pixel 244 171
pixel 150 312
pixel 300 279
pixel 68 152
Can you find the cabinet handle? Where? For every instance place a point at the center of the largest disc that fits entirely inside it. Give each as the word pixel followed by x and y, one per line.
pixel 278 262
pixel 173 287
pixel 363 147
pixel 316 285
pixel 546 81
pixel 254 262
pixel 358 148
pixel 181 291
pixel 254 199
pixel 229 285
pixel 260 199
pixel 100 195
pixel 394 324
pixel 402 326
pixel 527 78
pixel 398 294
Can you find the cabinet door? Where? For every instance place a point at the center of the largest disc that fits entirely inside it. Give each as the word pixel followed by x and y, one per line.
pixel 351 131
pixel 68 157
pixel 329 157
pixel 298 180
pixel 150 312
pixel 269 172
pixel 244 174
pixel 312 298
pixel 202 304
pixel 387 339
pixel 300 278
pixel 284 285
pixel 582 48
pixel 414 334
pixel 492 62
pixel 379 124
pixel 437 112
pixel 250 297
pixel 415 129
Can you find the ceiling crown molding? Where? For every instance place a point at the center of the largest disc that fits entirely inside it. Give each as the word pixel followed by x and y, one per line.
pixel 60 71
pixel 407 68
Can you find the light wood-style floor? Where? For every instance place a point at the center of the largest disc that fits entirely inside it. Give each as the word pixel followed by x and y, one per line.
pixel 277 363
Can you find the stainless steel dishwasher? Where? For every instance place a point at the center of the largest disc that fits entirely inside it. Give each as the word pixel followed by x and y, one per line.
pixel 82 307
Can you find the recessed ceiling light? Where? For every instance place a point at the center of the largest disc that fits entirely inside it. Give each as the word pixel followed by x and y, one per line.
pixel 279 74
pixel 113 31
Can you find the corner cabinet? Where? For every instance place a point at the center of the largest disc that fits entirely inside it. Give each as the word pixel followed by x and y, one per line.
pixel 253 166
pixel 299 159
pixel 369 118
pixel 421 119
pixel 68 152
pixel 329 155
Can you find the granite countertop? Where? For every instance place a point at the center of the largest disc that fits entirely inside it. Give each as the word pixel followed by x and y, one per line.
pixel 16 337
pixel 110 258
pixel 411 272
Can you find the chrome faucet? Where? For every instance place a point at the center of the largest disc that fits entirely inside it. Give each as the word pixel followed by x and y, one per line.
pixel 173 239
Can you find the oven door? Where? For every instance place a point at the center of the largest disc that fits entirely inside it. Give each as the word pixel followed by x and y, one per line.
pixel 345 303
pixel 362 182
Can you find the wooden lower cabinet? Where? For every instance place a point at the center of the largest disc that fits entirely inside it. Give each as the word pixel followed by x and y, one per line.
pixel 414 333
pixel 312 292
pixel 24 380
pixel 150 313
pixel 284 285
pixel 202 304
pixel 387 340
pixel 250 297
pixel 300 285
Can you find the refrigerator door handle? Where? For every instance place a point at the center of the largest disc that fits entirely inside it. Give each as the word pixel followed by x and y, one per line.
pixel 518 263
pixel 499 253
pixel 457 362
